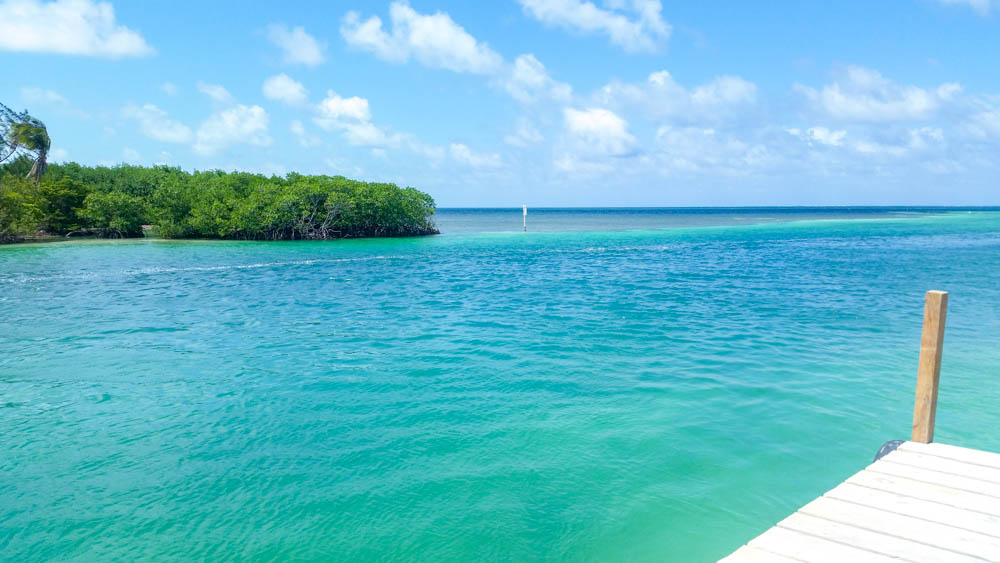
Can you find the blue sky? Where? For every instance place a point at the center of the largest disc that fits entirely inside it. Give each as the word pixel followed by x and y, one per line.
pixel 543 102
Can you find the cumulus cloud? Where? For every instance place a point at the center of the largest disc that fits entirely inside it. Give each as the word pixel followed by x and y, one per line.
pixel 599 131
pixel 527 80
pixel 661 96
pixel 863 95
pixel 283 88
pixel 215 92
pixel 465 155
pixel 352 117
pixel 434 40
pixel 635 26
pixel 367 134
pixel 237 125
pixel 298 46
pixel 335 108
pixel 169 88
pixel 156 124
pixel 67 27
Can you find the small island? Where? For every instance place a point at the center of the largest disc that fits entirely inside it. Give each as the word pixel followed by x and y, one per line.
pixel 40 201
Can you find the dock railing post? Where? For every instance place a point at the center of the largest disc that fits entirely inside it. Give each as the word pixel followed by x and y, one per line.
pixel 929 368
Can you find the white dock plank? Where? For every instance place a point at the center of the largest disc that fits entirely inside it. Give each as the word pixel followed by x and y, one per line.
pixel 927 510
pixel 944 465
pixel 891 524
pixel 936 477
pixel 747 554
pixel 805 547
pixel 927 491
pixel 872 540
pixel 922 502
pixel 966 455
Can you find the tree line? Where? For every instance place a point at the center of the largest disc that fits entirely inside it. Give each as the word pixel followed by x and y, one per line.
pixel 125 201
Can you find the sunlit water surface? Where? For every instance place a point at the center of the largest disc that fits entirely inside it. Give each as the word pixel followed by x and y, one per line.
pixel 611 385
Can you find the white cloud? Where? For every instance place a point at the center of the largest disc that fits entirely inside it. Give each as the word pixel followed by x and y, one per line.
pixel 697 150
pixel 239 124
pixel 216 92
pixel 298 46
pixel 524 135
pixel 527 80
pixel 58 154
pixel 367 134
pixel 724 91
pixel 169 88
pixel 334 108
pixel 352 117
pixel 434 40
pixel 599 131
pixel 820 135
pixel 660 96
pixel 465 155
pixel 283 88
pixel 635 26
pixel 156 124
pixel 68 27
pixel 863 95
pixel 866 145
pixel 982 7
pixel 984 120
pixel 918 140
pixel 305 138
pixel 985 124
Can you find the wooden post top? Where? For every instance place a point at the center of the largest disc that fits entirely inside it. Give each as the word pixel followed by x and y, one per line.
pixel 929 366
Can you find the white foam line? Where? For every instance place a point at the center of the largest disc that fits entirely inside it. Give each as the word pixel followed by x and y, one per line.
pixel 152 271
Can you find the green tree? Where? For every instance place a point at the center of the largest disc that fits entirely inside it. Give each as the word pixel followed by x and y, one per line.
pixel 61 203
pixel 115 214
pixel 19 214
pixel 117 201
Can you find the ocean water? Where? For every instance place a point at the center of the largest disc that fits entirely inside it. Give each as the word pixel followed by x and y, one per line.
pixel 621 385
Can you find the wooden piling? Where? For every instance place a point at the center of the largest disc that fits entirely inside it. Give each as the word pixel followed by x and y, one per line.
pixel 929 369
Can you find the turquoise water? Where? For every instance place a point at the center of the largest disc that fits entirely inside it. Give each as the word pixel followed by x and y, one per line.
pixel 579 392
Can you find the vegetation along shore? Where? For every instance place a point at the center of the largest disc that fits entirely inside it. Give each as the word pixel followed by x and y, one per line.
pixel 38 199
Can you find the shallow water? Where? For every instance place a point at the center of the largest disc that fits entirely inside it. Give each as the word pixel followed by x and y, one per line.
pixel 601 387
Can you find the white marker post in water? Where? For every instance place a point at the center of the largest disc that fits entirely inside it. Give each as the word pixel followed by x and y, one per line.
pixel 525 217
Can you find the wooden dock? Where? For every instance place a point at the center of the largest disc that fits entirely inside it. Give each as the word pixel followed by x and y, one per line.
pixel 921 501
